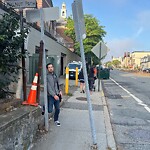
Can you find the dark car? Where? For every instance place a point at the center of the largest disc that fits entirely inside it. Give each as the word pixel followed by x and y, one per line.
pixel 110 68
pixel 146 70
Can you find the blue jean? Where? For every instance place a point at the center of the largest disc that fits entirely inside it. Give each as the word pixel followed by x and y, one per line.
pixel 51 102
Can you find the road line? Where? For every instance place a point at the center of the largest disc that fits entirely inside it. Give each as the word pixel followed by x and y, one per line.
pixel 134 97
pixel 147 108
pixel 133 77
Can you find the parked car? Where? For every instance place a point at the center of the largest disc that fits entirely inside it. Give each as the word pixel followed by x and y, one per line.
pixel 72 69
pixel 146 70
pixel 110 68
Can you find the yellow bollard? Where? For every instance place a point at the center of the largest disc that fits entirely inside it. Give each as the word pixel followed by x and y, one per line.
pixel 67 81
pixel 76 82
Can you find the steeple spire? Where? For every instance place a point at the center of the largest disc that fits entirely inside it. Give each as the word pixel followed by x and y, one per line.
pixel 63 11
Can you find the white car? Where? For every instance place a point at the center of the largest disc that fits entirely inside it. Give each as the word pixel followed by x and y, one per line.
pixel 72 68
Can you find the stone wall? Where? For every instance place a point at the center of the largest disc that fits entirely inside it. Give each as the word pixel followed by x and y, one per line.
pixel 18 128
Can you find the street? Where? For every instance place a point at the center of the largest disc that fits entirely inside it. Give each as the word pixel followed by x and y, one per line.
pixel 128 99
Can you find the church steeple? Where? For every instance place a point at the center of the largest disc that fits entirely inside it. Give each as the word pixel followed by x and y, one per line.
pixel 63 11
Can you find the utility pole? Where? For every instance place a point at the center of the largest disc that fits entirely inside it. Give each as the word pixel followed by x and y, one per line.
pixel 23 58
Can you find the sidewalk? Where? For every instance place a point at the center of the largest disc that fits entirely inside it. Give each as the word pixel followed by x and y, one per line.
pixel 75 132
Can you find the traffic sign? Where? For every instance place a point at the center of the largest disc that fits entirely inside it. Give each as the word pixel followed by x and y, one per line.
pixel 22 3
pixel 78 18
pixel 48 14
pixel 100 50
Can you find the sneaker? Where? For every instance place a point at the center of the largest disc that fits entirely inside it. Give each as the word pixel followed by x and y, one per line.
pixel 43 112
pixel 50 118
pixel 83 91
pixel 57 123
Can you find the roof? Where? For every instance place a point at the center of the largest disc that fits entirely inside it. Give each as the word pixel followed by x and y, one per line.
pixel 61 32
pixel 141 52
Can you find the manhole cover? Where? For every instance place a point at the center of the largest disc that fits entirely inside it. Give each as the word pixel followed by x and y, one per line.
pixel 117 96
pixel 140 134
pixel 81 98
pixel 119 105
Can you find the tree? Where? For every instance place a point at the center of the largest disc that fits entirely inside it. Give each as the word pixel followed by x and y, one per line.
pixel 10 54
pixel 116 63
pixel 94 34
pixel 109 64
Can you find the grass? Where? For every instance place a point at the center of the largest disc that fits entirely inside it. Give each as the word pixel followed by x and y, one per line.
pixel 108 148
pixel 69 94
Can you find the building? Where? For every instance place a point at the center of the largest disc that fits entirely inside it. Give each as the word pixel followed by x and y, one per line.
pixel 61 27
pixel 126 61
pixel 50 26
pixel 136 58
pixel 145 62
pixel 56 53
pixel 63 11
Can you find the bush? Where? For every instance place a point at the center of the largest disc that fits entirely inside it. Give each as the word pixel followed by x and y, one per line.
pixel 10 54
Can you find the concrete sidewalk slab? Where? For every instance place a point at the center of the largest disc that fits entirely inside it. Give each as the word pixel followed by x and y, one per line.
pixel 75 132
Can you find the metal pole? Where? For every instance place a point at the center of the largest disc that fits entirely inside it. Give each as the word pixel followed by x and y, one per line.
pixel 88 93
pixel 76 80
pixel 40 69
pixel 23 58
pixel 87 90
pixel 99 68
pixel 44 73
pixel 67 81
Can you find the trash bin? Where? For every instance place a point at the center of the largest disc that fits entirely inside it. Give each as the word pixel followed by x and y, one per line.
pixel 104 73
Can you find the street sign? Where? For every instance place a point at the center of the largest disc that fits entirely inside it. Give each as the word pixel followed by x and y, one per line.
pixel 100 50
pixel 22 3
pixel 51 13
pixel 78 18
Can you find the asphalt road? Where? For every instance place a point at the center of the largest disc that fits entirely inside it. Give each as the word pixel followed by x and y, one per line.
pixel 128 99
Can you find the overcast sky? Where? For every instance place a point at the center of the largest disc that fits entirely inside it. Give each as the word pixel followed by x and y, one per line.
pixel 127 23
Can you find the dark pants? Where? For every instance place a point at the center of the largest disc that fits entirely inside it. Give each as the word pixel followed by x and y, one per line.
pixel 91 83
pixel 51 102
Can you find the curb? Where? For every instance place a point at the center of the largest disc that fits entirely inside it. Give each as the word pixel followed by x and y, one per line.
pixel 109 132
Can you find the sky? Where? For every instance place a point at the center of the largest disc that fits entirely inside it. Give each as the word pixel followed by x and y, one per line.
pixel 127 23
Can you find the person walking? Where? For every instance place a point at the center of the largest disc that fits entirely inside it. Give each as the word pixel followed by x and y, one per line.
pixel 95 76
pixel 91 79
pixel 82 82
pixel 54 93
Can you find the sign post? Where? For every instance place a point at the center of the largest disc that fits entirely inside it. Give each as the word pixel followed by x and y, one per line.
pixel 42 15
pixel 100 50
pixel 80 35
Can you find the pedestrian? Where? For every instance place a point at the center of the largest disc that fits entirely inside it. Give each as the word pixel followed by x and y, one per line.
pixel 82 82
pixel 54 93
pixel 91 79
pixel 95 76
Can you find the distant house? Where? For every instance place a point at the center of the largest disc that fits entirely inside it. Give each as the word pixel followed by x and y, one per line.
pixel 136 58
pixel 126 61
pixel 145 62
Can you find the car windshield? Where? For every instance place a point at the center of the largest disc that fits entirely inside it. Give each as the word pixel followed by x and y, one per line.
pixel 73 66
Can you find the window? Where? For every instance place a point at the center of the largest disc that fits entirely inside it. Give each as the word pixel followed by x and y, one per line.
pixel 73 66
